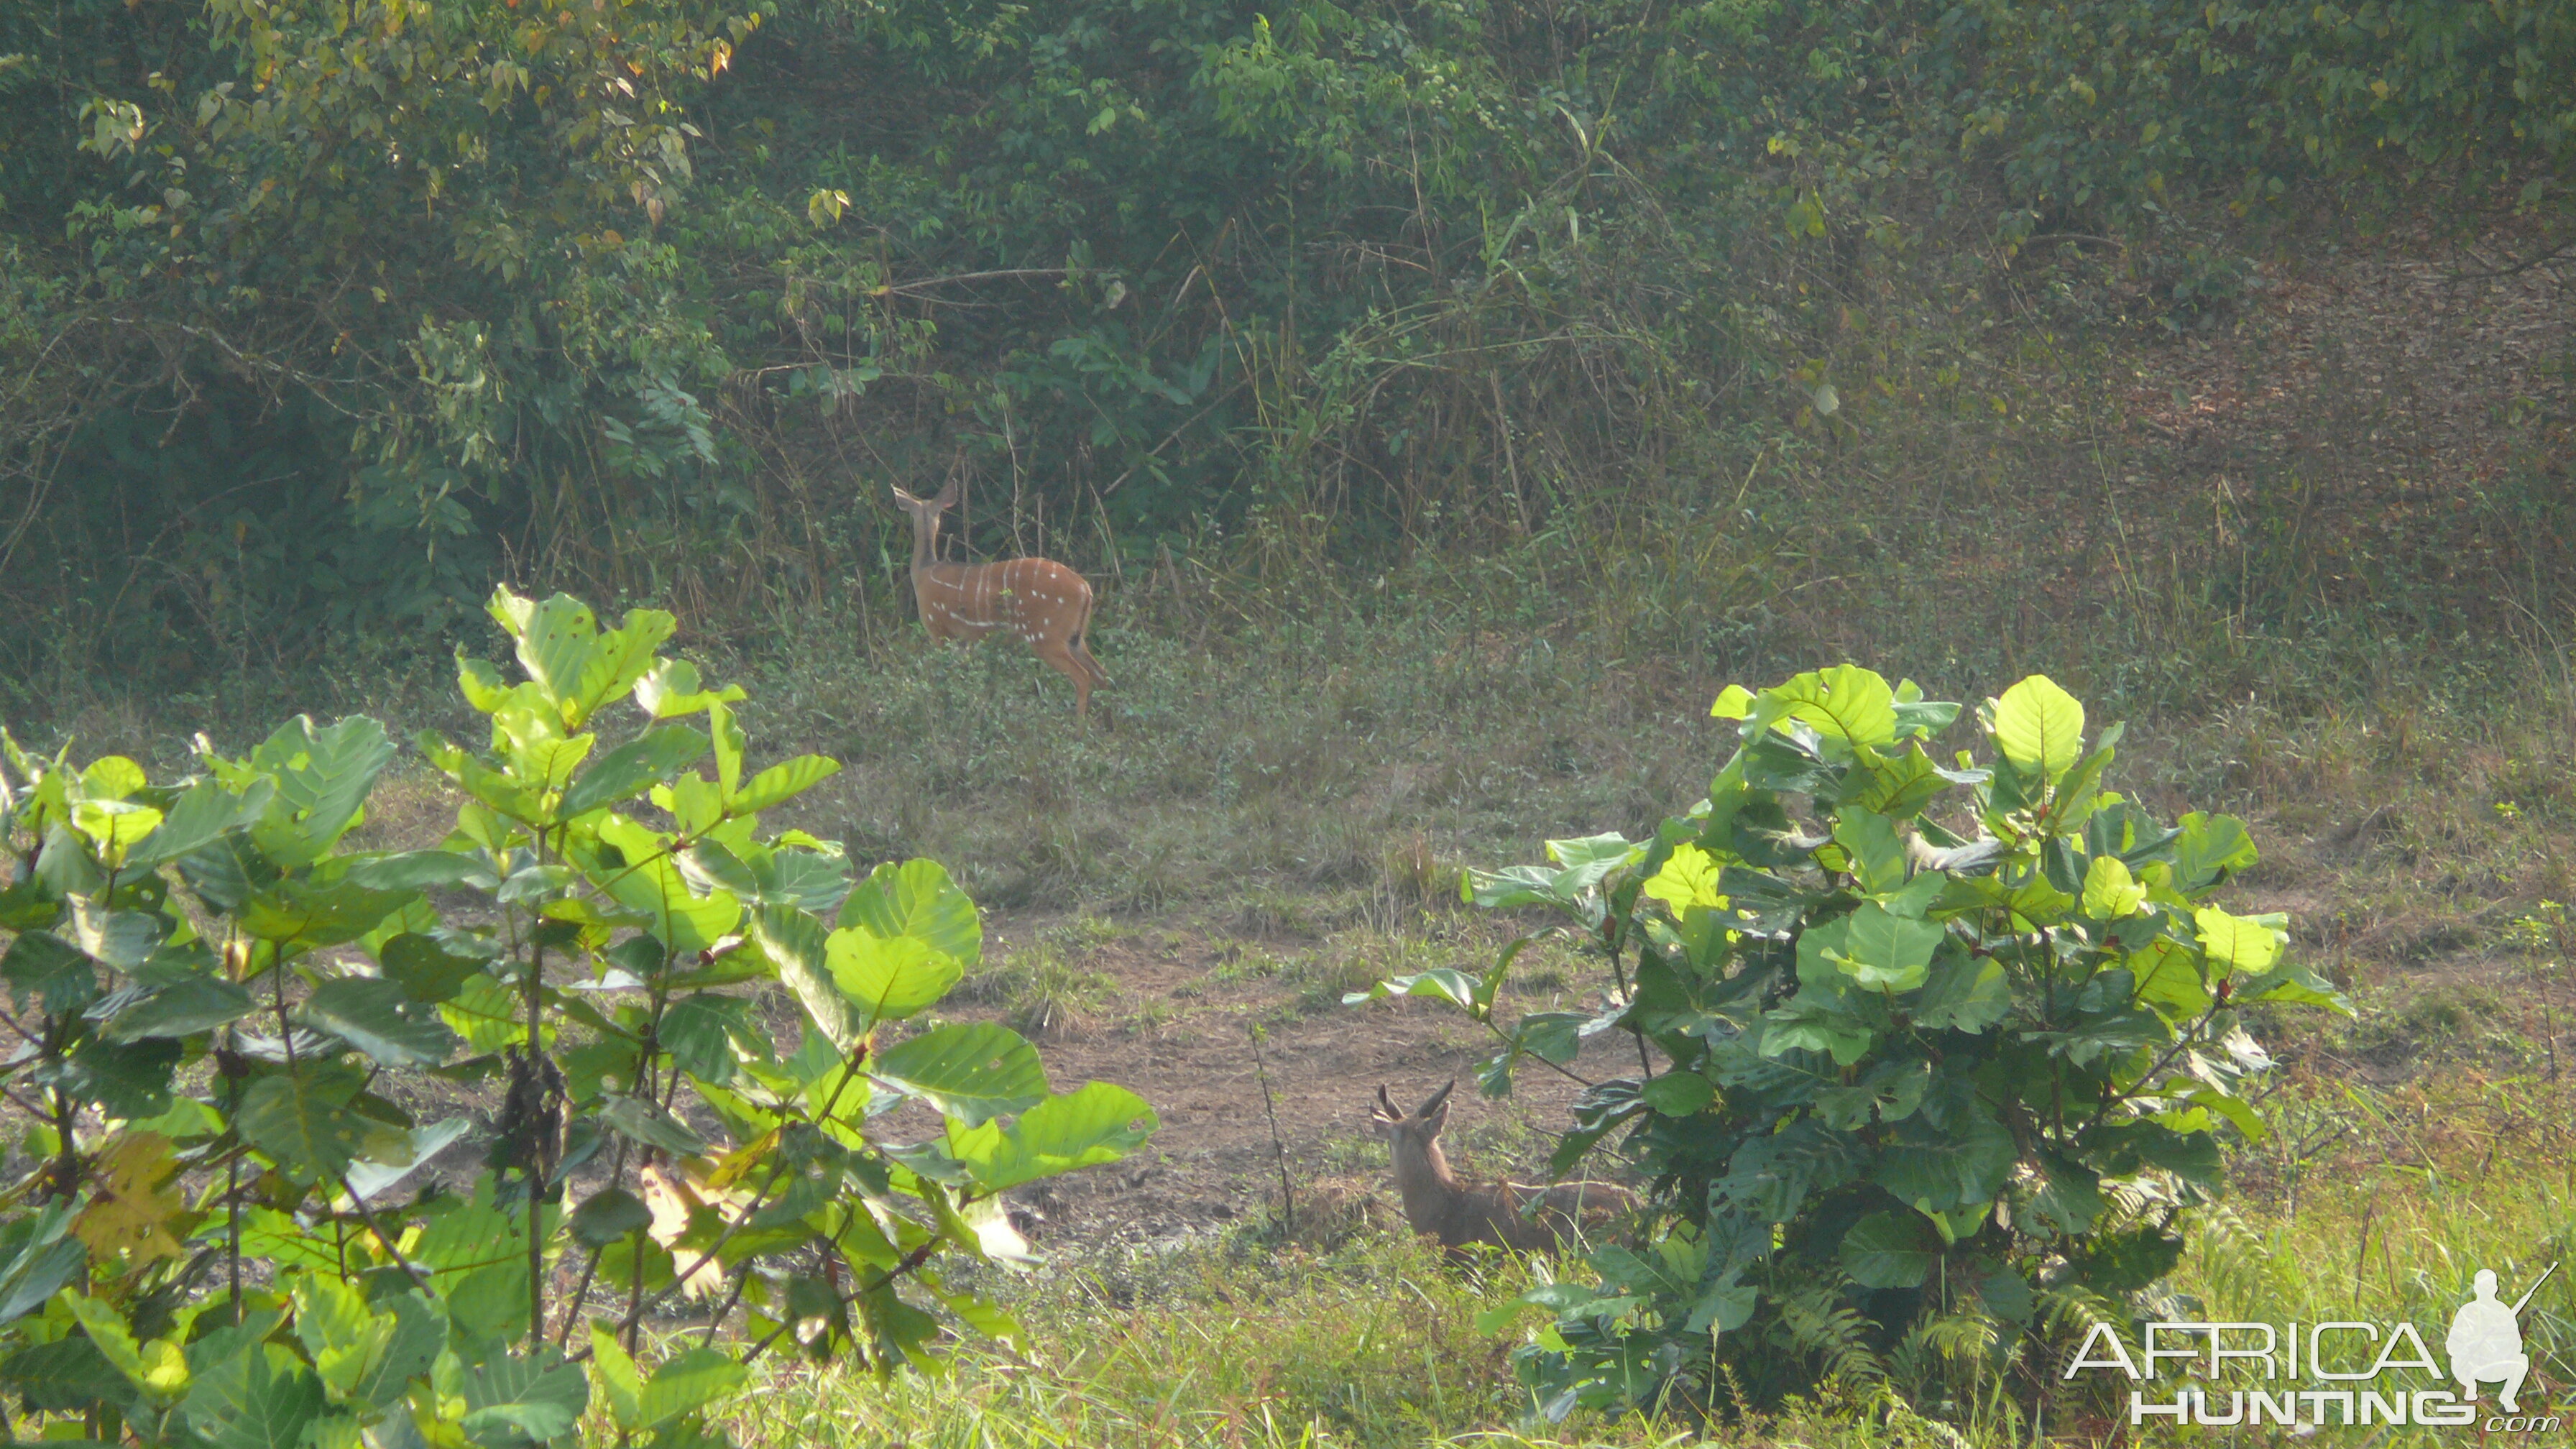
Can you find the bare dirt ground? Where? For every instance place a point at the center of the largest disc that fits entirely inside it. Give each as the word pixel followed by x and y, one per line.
pixel 1214 1162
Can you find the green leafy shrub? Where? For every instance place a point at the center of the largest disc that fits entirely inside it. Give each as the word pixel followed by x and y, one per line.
pixel 219 1009
pixel 1918 1096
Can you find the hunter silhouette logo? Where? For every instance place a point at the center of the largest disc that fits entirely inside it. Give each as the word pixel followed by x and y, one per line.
pixel 2305 1376
pixel 2486 1341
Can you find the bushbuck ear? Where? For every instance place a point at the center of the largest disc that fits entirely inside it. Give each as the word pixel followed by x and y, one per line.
pixel 906 499
pixel 1385 1111
pixel 948 495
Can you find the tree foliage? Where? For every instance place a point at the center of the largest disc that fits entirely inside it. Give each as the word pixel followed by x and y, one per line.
pixel 317 311
pixel 1930 1074
pixel 227 1237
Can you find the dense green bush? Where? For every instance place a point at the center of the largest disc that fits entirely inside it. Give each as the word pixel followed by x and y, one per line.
pixel 220 1013
pixel 1928 1080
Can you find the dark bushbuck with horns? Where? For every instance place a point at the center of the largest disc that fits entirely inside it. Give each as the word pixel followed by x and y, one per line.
pixel 1504 1214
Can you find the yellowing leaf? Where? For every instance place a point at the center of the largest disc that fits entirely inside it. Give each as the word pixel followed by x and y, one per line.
pixel 2244 943
pixel 2039 726
pixel 2110 892
pixel 675 1202
pixel 134 1204
pixel 1689 878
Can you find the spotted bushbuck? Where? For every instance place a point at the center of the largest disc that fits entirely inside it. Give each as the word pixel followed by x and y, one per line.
pixel 1045 604
pixel 1505 1214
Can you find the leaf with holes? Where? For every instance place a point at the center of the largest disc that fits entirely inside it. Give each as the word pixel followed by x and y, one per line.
pixel 299 1118
pixel 627 771
pixel 132 1201
pixel 971 1071
pixel 380 1019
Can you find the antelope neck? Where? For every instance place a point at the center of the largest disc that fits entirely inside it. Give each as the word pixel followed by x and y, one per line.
pixel 1423 1176
pixel 925 543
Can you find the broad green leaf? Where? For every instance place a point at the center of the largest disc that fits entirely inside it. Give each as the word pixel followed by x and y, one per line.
pixel 42 963
pixel 1441 983
pixel 1556 1036
pixel 300 915
pixel 1733 702
pixel 889 978
pixel 125 1079
pixel 782 782
pixel 322 779
pixel 796 945
pixel 917 899
pixel 300 1119
pixel 488 1015
pixel 2294 985
pixel 412 870
pixel 369 1179
pixel 628 770
pixel 344 1338
pixel 686 1383
pixel 698 1032
pixel 1814 1021
pixel 1678 1094
pixel 2209 849
pixel 646 1122
pixel 380 1019
pixel 972 1072
pixel 181 1009
pixel 261 1408
pixel 1888 1093
pixel 813 879
pixel 1887 952
pixel 608 1215
pixel 650 884
pixel 66 1375
pixel 1870 843
pixel 432 966
pixel 1687 878
pixel 2248 944
pixel 1944 1171
pixel 111 777
pixel 618 1378
pixel 2039 727
pixel 2166 974
pixel 122 939
pixel 1100 1123
pixel 670 688
pixel 2110 892
pixel 114 826
pixel 513 1400
pixel 1845 702
pixel 1963 992
pixel 46 1261
pixel 1587 860
pixel 106 1328
pixel 579 666
pixel 1888 1250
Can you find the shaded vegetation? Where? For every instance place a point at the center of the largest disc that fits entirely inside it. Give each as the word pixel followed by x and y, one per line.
pixel 318 316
